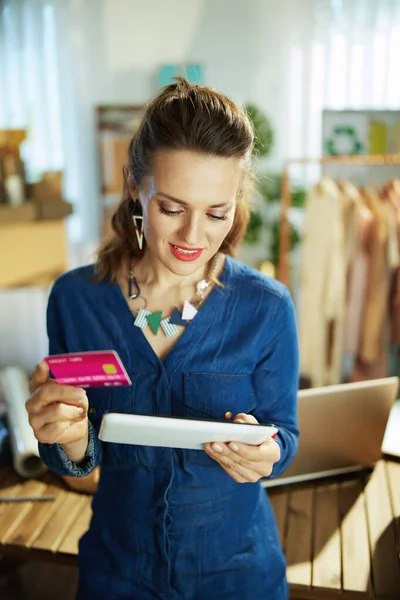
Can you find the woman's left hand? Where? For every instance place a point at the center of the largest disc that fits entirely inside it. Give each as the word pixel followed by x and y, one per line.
pixel 243 462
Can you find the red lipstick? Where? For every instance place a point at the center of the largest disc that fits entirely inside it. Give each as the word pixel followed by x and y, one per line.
pixel 185 254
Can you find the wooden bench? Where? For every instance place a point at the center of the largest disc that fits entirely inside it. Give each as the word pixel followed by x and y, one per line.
pixel 340 538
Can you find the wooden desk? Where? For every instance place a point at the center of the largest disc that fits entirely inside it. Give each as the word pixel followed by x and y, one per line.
pixel 37 531
pixel 340 538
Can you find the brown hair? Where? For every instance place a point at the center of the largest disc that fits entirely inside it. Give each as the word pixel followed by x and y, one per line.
pixel 182 117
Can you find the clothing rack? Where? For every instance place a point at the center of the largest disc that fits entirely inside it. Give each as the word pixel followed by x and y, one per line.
pixel 376 160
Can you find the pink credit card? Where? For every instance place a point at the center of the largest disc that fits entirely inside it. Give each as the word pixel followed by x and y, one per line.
pixel 89 369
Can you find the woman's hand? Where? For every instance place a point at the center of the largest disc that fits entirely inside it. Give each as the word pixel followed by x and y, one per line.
pixel 58 413
pixel 243 462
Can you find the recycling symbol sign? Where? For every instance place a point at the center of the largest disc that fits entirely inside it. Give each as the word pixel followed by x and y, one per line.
pixel 343 141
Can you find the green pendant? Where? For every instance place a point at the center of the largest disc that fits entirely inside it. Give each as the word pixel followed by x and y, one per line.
pixel 154 321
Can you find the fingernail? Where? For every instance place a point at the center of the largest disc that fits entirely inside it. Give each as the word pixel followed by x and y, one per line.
pixel 234 447
pixel 217 448
pixel 80 410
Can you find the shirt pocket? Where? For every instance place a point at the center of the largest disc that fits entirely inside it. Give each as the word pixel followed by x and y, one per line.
pixel 119 399
pixel 210 396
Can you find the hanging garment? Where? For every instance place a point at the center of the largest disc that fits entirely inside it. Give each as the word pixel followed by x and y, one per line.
pixel 322 277
pixel 393 193
pixel 357 223
pixel 372 358
pixel 375 311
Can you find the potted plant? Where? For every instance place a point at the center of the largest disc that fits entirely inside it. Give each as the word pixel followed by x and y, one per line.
pixel 264 221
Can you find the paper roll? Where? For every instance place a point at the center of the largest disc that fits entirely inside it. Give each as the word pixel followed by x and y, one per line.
pixel 24 446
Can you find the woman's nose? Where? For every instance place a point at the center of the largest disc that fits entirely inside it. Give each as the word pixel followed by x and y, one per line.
pixel 193 231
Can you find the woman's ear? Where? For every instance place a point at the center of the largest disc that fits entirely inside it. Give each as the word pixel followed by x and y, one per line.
pixel 130 183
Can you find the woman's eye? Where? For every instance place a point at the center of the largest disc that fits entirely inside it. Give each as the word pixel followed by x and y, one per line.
pixel 217 218
pixel 170 213
pixel 174 213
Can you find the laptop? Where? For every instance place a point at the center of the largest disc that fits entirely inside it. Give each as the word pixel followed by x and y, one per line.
pixel 342 428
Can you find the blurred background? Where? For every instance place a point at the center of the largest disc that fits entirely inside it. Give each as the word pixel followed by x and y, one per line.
pixel 319 78
pixel 320 81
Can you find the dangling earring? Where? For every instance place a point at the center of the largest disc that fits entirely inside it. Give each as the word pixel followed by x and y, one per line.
pixel 137 217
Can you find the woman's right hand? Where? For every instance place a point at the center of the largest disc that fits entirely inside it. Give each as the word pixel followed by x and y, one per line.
pixel 58 413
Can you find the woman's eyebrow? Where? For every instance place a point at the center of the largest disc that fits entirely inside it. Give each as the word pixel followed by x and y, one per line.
pixel 168 197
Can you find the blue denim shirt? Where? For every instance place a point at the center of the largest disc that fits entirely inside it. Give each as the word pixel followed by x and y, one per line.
pixel 239 354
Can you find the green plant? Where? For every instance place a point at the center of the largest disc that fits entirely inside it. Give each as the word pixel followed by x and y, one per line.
pixel 274 247
pixel 268 187
pixel 299 196
pixel 254 228
pixel 262 127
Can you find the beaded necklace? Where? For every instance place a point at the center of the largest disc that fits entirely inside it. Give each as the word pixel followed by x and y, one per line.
pixel 169 324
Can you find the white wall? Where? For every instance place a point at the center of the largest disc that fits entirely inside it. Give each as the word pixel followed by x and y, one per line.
pixel 238 43
pixel 290 57
pixel 113 48
pixel 121 43
pixel 23 337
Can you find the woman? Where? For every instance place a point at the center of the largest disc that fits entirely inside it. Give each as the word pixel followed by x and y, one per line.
pixel 167 523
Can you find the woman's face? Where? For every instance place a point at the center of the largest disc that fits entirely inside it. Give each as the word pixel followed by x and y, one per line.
pixel 188 205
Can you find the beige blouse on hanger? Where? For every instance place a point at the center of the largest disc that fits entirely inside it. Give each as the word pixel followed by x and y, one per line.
pixel 322 280
pixel 375 310
pixel 372 360
pixel 357 233
pixel 392 192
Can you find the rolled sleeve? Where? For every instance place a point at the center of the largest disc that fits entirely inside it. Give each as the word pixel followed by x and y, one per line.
pixel 276 382
pixel 56 459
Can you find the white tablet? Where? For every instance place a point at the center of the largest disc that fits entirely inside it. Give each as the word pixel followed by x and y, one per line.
pixel 172 432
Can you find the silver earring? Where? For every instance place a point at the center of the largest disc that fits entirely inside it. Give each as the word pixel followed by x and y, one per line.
pixel 137 217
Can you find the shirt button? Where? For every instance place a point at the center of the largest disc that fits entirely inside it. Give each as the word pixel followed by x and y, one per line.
pixel 92 411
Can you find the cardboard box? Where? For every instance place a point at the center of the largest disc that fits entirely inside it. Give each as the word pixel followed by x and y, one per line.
pixel 32 211
pixel 10 139
pixel 53 181
pixel 2 193
pixel 32 252
pixel 17 214
pixel 49 189
pixel 53 210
